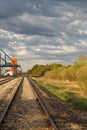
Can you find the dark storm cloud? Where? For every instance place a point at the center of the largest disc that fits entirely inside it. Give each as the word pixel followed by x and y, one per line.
pixel 38 27
pixel 11 11
pixel 9 8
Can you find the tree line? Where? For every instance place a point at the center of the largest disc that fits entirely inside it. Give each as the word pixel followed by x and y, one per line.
pixel 75 72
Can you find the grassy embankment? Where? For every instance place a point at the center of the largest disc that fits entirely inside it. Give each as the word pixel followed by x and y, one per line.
pixel 67 91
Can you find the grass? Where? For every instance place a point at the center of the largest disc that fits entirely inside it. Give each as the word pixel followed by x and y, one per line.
pixel 66 93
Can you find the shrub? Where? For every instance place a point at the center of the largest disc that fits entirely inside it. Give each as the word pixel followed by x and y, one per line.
pixel 82 76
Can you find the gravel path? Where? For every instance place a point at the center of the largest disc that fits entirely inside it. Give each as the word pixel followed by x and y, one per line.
pixel 25 112
pixel 6 92
pixel 5 78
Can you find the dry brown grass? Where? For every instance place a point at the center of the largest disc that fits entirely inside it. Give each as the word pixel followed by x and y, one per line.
pixel 65 86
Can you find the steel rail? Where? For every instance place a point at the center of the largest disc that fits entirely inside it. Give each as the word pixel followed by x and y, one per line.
pixel 5 80
pixel 10 102
pixel 33 84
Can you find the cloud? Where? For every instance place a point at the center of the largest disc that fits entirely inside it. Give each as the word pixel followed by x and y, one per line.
pixel 43 31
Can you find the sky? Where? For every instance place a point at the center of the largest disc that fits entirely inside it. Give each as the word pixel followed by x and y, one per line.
pixel 43 31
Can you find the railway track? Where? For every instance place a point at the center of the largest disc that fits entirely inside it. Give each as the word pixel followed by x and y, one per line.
pixel 30 107
pixel 42 104
pixel 24 110
pixel 5 80
pixel 62 114
pixel 7 93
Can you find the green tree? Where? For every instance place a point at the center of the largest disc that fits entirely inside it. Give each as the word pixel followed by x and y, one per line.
pixel 82 75
pixel 81 61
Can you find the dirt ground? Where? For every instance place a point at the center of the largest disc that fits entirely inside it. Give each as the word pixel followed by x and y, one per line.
pixel 65 116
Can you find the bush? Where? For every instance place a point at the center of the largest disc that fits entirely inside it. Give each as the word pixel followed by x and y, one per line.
pixel 82 76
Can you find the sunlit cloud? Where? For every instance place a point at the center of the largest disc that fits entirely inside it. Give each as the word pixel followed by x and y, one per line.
pixel 43 31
